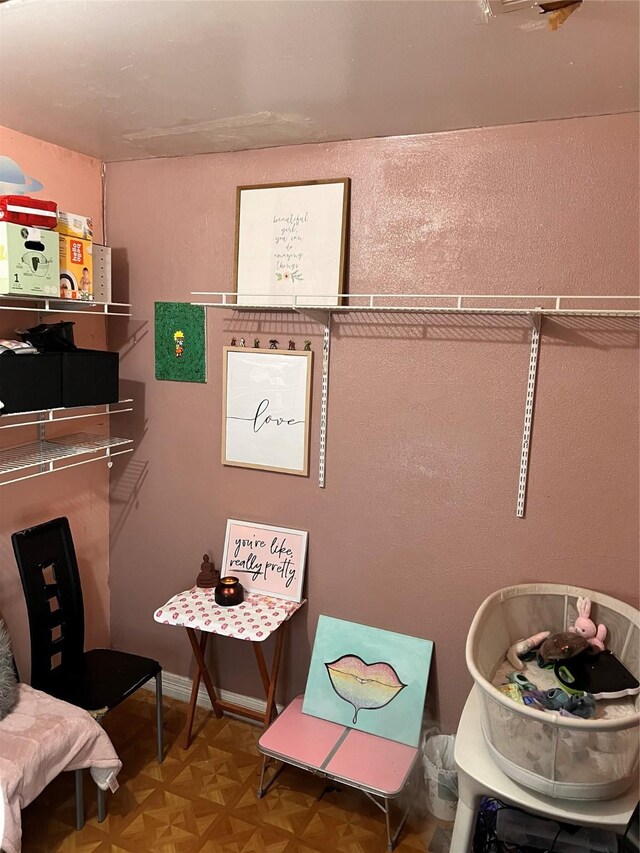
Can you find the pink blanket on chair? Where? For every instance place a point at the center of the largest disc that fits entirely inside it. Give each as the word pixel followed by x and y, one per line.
pixel 40 738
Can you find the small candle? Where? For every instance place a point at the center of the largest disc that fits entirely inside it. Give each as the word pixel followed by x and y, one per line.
pixel 229 592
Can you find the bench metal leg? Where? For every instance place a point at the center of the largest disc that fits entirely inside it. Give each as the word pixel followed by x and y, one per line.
pixel 79 800
pixel 160 732
pixel 384 804
pixel 262 788
pixel 387 814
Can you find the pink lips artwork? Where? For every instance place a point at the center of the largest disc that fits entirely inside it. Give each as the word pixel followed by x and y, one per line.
pixel 364 685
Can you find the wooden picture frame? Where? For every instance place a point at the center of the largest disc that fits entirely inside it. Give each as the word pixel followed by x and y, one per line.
pixel 291 243
pixel 268 560
pixel 266 409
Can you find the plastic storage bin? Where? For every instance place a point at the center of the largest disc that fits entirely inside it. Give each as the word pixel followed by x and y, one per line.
pixel 557 756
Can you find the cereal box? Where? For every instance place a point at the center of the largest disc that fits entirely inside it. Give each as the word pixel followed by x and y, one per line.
pixel 76 268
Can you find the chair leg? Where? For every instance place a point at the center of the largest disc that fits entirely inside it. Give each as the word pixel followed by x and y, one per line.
pixel 160 732
pixel 102 811
pixel 79 800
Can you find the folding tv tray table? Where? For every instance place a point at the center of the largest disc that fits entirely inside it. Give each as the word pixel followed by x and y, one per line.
pixel 256 619
pixel 378 767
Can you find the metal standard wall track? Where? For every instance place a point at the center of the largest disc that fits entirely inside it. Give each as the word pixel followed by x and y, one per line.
pixel 528 415
pixel 534 306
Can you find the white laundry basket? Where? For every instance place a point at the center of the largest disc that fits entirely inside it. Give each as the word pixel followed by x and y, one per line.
pixel 557 756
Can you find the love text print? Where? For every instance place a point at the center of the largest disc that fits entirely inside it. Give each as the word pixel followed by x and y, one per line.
pixel 262 419
pixel 252 557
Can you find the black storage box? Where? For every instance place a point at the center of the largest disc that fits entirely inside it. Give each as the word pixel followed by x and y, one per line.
pixel 89 377
pixel 30 382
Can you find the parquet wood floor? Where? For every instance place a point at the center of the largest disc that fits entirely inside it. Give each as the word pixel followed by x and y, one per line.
pixel 203 800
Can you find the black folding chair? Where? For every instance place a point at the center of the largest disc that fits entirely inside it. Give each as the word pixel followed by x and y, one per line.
pixel 96 680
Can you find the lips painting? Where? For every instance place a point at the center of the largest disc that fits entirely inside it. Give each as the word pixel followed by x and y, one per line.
pixel 364 685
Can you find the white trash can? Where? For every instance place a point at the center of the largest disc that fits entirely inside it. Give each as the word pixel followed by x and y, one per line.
pixel 440 774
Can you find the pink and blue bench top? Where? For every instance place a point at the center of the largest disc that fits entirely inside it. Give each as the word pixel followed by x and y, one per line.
pixel 255 619
pixel 359 759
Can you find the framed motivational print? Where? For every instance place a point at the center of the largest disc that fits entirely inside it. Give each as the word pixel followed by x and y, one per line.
pixel 291 243
pixel 266 409
pixel 268 560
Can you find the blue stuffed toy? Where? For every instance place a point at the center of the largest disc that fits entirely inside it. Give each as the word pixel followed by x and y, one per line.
pixel 556 699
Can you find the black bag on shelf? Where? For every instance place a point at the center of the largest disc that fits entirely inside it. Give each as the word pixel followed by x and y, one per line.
pixel 50 337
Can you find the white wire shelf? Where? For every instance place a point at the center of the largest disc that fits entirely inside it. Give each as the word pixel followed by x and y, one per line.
pixel 44 454
pixel 432 303
pixel 48 416
pixel 56 305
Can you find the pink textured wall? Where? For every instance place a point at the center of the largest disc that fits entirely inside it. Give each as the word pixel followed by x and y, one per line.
pixel 417 524
pixel 74 181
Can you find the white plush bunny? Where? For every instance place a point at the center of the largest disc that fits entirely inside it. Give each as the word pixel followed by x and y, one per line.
pixel 587 627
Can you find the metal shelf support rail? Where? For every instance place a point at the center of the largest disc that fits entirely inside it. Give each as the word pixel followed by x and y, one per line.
pixel 324 401
pixel 563 306
pixel 536 323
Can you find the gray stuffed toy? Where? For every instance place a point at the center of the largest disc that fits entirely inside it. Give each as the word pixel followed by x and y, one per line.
pixel 8 686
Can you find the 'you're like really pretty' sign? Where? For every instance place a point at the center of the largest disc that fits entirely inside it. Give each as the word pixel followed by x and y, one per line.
pixel 267 560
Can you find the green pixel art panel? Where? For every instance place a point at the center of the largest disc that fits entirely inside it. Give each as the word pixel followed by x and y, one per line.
pixel 181 353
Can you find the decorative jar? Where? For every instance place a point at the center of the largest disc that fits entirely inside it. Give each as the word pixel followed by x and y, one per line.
pixel 228 592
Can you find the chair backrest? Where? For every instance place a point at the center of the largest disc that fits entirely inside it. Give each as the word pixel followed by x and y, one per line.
pixel 50 579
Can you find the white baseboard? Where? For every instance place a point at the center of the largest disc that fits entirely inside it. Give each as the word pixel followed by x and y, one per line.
pixel 179 687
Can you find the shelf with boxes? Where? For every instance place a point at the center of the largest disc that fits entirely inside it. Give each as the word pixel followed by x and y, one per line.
pixel 49 264
pixel 49 261
pixel 47 253
pixel 44 388
pixel 54 299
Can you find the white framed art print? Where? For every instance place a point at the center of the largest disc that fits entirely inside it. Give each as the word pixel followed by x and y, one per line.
pixel 291 243
pixel 266 409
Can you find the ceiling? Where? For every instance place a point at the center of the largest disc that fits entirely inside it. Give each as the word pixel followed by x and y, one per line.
pixel 127 79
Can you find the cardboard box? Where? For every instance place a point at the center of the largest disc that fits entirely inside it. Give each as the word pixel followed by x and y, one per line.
pixel 74 225
pixel 89 377
pixel 28 261
pixel 101 273
pixel 76 268
pixel 30 383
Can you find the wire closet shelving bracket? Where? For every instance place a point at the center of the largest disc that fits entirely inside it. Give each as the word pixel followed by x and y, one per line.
pixel 534 306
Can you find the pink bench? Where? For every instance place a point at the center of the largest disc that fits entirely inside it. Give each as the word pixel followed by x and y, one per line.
pixel 378 767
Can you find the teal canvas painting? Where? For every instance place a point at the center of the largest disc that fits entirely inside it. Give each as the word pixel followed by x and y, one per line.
pixel 368 679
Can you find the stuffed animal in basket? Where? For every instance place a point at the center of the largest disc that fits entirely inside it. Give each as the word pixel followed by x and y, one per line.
pixel 566 644
pixel 523 647
pixel 586 627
